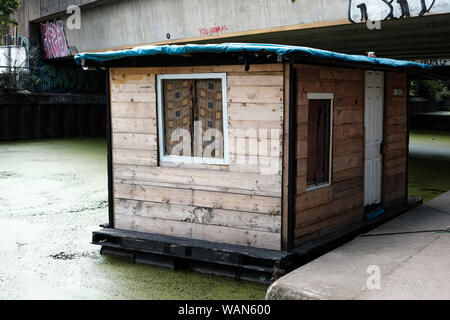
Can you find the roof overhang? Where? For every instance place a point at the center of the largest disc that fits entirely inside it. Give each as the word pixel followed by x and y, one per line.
pixel 242 53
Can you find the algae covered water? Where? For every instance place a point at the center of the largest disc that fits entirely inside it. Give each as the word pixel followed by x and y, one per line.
pixel 53 194
pixel 429 163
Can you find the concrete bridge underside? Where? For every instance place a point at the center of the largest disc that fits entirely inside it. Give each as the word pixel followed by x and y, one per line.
pixel 419 38
pixel 326 24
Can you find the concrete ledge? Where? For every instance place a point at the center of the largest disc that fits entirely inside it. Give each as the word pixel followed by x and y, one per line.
pixel 290 292
pixel 410 252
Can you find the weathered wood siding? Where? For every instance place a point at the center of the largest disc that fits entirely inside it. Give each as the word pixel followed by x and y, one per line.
pixel 324 210
pixel 239 203
pixel 395 141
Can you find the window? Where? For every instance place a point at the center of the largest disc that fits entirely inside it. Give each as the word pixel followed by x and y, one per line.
pixel 320 119
pixel 192 118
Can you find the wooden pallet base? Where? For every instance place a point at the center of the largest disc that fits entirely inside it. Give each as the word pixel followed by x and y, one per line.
pixel 238 262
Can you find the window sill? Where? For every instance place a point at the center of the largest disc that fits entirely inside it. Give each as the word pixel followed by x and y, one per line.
pixel 204 166
pixel 318 186
pixel 193 160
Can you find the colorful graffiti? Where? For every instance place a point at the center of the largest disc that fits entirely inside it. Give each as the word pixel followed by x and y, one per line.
pixel 54 41
pixel 378 10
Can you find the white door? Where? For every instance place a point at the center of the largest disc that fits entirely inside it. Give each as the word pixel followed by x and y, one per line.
pixel 373 123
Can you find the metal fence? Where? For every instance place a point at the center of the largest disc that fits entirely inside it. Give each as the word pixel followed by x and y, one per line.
pixel 14 67
pixel 421 105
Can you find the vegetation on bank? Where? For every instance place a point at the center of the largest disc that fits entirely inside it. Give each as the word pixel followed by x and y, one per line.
pixel 433 90
pixel 7 10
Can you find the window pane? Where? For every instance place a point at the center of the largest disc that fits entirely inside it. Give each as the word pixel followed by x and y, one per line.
pixel 178 114
pixel 318 162
pixel 193 117
pixel 209 111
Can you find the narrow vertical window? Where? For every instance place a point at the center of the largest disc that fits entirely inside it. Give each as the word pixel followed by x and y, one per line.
pixel 192 118
pixel 319 140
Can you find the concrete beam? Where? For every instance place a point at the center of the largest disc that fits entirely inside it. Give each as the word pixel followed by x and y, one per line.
pixel 327 24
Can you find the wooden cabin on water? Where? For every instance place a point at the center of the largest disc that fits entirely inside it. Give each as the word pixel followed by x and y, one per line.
pixel 233 158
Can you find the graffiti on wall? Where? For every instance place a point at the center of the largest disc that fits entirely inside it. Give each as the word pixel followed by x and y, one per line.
pixel 209 31
pixel 54 42
pixel 68 79
pixel 437 62
pixel 378 10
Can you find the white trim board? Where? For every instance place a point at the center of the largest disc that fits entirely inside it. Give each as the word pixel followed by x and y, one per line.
pixel 325 96
pixel 184 159
pixel 320 96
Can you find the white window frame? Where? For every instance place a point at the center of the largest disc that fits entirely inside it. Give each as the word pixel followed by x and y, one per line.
pixel 184 159
pixel 324 96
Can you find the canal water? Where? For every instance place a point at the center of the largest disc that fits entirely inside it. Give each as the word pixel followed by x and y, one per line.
pixel 53 194
pixel 429 163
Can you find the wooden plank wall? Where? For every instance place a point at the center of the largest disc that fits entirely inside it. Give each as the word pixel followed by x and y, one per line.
pixel 239 203
pixel 395 141
pixel 324 210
